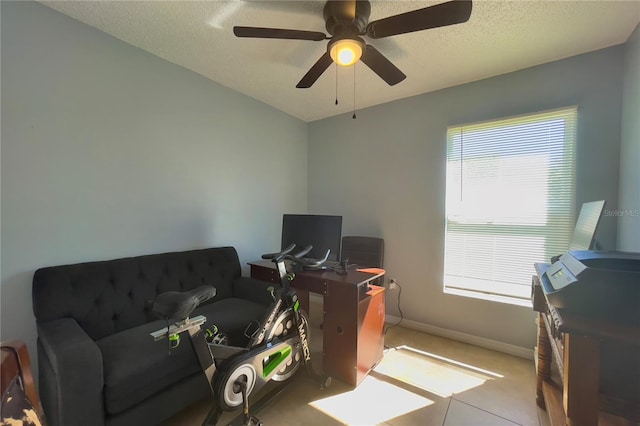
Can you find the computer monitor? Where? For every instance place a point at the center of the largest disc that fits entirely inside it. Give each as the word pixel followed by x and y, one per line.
pixel 320 231
pixel 585 231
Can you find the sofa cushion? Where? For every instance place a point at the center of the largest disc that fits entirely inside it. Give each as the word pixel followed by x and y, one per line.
pixel 137 367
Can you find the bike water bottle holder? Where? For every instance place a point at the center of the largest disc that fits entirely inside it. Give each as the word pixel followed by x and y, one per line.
pixel 250 333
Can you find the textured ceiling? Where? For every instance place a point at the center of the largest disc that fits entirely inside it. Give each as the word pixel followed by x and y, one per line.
pixel 500 37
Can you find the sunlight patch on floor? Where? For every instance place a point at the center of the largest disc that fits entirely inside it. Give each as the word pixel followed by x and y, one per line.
pixel 433 373
pixel 362 406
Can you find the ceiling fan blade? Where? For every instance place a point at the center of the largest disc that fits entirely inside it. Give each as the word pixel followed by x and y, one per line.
pixel 382 66
pixel 440 15
pixel 315 72
pixel 257 32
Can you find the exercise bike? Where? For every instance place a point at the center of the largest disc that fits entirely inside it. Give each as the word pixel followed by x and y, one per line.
pixel 276 348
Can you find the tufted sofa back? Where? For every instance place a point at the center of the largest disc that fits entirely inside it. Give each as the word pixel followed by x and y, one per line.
pixel 110 296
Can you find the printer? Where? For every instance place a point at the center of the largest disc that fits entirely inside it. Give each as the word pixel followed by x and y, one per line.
pixel 595 283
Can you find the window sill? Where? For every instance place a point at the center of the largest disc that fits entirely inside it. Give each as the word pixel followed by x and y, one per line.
pixel 490 297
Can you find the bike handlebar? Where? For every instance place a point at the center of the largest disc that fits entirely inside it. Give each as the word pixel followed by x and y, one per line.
pixel 285 251
pixel 304 251
pixel 307 261
pixel 298 257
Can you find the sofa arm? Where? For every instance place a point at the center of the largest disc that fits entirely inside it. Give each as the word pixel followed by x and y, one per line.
pixel 72 371
pixel 253 290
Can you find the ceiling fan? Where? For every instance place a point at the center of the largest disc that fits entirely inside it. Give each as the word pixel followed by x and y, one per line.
pixel 348 20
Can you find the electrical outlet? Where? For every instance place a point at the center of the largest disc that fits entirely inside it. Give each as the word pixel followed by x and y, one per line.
pixel 393 284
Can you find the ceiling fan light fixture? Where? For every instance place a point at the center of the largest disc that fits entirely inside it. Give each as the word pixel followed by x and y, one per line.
pixel 346 51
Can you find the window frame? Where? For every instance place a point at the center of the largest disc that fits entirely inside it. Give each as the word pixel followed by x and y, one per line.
pixel 559 217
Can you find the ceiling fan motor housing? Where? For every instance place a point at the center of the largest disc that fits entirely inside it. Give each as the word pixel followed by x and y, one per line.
pixel 343 20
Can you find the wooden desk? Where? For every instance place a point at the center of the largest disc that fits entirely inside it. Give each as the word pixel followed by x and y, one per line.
pixel 598 365
pixel 353 317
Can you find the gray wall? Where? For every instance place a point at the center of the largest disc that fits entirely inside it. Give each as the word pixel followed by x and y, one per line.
pixel 385 172
pixel 108 151
pixel 629 204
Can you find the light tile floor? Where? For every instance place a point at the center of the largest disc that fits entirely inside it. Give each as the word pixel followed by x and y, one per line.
pixel 423 380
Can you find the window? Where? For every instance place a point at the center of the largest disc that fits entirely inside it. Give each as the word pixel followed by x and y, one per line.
pixel 509 202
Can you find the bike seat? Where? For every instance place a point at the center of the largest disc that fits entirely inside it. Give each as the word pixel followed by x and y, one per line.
pixel 179 304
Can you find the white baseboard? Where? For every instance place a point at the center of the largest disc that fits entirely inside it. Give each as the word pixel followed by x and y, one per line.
pixel 464 337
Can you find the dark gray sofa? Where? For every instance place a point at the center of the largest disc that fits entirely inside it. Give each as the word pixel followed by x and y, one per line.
pixel 98 365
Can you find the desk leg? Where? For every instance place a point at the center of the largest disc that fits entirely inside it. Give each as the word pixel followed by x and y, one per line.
pixel 340 333
pixel 581 380
pixel 544 360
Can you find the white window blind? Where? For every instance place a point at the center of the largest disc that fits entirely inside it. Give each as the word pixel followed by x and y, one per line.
pixel 509 202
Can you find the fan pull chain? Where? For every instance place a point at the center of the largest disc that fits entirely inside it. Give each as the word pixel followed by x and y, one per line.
pixel 354 92
pixel 336 82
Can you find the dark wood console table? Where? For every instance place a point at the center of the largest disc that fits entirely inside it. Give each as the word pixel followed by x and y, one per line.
pixel 588 368
pixel 353 318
